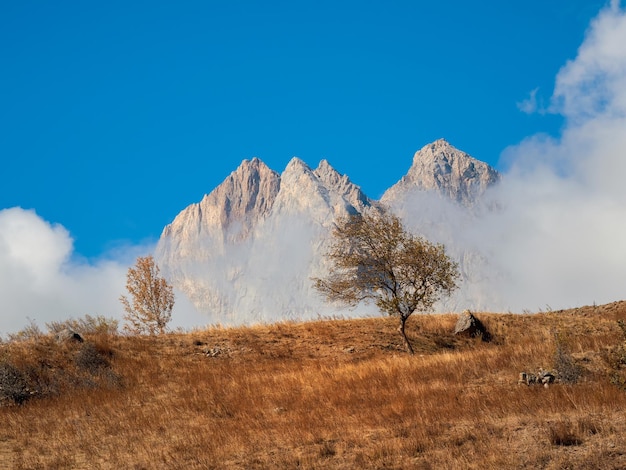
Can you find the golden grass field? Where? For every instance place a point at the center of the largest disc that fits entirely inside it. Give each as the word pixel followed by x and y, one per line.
pixel 338 394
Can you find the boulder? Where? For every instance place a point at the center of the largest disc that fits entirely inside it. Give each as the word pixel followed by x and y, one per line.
pixel 68 336
pixel 469 325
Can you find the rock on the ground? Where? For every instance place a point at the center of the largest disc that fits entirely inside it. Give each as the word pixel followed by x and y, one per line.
pixel 68 336
pixel 469 325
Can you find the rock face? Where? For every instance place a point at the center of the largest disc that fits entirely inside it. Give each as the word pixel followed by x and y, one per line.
pixel 228 213
pixel 469 325
pixel 247 252
pixel 441 168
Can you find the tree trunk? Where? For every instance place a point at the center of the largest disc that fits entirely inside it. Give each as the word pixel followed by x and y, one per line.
pixel 403 320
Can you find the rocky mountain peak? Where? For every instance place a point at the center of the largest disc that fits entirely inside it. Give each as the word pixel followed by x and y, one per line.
pixel 451 172
pixel 296 165
pixel 231 209
pixel 249 248
pixel 249 191
pixel 328 174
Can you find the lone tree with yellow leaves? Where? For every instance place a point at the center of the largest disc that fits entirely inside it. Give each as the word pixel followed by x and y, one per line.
pixel 373 258
pixel 152 299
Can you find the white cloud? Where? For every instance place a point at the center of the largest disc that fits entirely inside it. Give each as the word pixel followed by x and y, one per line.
pixel 529 105
pixel 591 86
pixel 561 235
pixel 40 280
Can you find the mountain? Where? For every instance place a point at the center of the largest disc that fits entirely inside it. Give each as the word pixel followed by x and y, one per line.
pixel 441 168
pixel 228 213
pixel 247 251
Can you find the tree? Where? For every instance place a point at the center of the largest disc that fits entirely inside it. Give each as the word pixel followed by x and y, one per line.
pixel 373 258
pixel 152 298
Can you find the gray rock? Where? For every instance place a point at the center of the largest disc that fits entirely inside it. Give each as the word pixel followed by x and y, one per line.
pixel 543 377
pixel 546 377
pixel 469 325
pixel 68 336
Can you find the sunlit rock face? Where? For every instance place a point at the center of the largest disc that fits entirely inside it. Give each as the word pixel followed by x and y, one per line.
pixel 247 252
pixel 441 168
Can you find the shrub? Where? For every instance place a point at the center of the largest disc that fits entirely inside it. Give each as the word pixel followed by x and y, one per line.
pixel 13 384
pixel 88 325
pixel 565 365
pixel 90 359
pixel 563 433
pixel 29 332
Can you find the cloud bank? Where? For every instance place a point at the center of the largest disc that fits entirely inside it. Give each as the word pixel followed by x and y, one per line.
pixel 560 233
pixel 40 280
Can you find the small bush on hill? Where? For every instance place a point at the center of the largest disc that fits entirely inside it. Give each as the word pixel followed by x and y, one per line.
pixel 87 325
pixel 13 384
pixel 563 362
pixel 45 367
pixel 90 359
pixel 564 433
pixel 29 332
pixel 615 357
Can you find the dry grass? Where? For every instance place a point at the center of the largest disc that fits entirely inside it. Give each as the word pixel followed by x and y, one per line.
pixel 334 394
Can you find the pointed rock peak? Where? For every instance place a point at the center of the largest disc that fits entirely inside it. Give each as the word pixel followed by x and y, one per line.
pixel 438 147
pixel 440 143
pixel 297 165
pixel 443 168
pixel 325 171
pixel 250 171
pixel 254 164
pixel 324 166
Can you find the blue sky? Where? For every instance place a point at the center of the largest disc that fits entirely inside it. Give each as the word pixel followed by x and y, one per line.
pixel 115 116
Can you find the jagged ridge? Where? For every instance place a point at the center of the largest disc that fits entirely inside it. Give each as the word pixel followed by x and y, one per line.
pixel 247 251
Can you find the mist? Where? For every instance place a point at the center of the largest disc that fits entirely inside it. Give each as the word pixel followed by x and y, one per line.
pixel 550 235
pixel 560 231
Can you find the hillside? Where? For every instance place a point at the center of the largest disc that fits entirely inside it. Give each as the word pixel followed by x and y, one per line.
pixel 337 394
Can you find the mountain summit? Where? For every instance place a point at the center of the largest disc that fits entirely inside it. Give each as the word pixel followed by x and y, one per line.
pixel 447 170
pixel 247 251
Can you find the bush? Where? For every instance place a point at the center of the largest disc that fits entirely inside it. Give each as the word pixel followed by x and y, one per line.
pixel 568 371
pixel 564 433
pixel 615 358
pixel 29 332
pixel 13 384
pixel 46 368
pixel 90 359
pixel 88 325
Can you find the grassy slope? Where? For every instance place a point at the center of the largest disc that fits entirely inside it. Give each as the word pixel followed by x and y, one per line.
pixel 336 394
